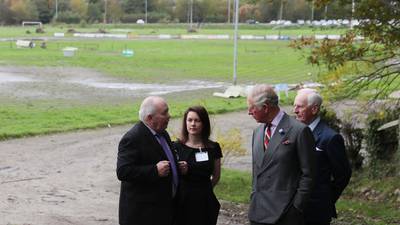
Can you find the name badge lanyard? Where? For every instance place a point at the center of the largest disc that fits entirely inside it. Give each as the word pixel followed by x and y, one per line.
pixel 201 156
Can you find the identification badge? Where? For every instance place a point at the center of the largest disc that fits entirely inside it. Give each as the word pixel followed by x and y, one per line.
pixel 201 156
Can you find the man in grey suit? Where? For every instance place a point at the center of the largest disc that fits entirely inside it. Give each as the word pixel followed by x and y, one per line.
pixel 283 162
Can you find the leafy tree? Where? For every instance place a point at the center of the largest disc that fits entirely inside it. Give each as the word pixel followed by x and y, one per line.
pixel 23 10
pixel 133 6
pixel 165 6
pixel 217 11
pixel 44 11
pixel 203 10
pixel 94 12
pixel 64 5
pixel 69 17
pixel 79 7
pixel 6 14
pixel 247 11
pixel 357 65
pixel 114 10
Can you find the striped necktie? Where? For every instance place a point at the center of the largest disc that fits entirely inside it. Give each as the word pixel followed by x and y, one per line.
pixel 267 136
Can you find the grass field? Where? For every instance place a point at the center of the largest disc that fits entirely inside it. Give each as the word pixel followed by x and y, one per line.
pixel 258 61
pixel 153 62
pixel 20 120
pixel 147 29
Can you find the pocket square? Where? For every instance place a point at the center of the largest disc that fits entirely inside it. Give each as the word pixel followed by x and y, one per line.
pixel 286 142
pixel 318 149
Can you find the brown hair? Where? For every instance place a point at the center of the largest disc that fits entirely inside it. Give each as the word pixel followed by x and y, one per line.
pixel 205 120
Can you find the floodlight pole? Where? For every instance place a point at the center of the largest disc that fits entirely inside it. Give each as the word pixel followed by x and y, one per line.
pixel 145 8
pixel 105 12
pixel 235 42
pixel 229 11
pixel 312 11
pixel 191 14
pixel 56 9
pixel 352 14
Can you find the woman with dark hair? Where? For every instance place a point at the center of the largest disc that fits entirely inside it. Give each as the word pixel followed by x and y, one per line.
pixel 200 166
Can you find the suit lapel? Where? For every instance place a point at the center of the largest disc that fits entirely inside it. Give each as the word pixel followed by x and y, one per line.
pixel 276 139
pixel 152 141
pixel 259 145
pixel 317 132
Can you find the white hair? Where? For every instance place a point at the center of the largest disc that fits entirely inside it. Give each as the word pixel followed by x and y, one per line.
pixel 313 97
pixel 262 94
pixel 148 107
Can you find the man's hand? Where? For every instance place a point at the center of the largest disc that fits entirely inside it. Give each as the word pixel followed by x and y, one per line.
pixel 163 168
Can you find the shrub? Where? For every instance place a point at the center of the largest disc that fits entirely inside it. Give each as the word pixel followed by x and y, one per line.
pixel 231 144
pixel 40 30
pixel 132 18
pixel 155 17
pixel 329 116
pixel 69 17
pixel 352 136
pixel 382 145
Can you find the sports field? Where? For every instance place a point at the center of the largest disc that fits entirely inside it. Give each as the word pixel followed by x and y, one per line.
pixel 34 105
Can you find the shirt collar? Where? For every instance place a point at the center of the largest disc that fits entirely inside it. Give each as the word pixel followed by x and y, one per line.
pixel 277 118
pixel 151 130
pixel 314 123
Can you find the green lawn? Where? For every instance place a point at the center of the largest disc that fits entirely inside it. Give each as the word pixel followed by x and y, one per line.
pixel 21 119
pixel 353 208
pixel 154 60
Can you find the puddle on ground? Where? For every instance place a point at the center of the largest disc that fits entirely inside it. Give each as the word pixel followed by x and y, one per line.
pixel 153 89
pixel 10 78
pixel 65 83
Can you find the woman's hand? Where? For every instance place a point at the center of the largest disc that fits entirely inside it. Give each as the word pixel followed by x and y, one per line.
pixel 183 167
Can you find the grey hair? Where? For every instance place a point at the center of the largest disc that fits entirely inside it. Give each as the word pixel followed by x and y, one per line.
pixel 148 107
pixel 263 93
pixel 313 97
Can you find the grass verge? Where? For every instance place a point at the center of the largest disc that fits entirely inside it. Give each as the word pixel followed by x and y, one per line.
pixel 234 186
pixel 19 120
pixel 364 202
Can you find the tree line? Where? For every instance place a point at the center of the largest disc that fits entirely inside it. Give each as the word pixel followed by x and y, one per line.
pixel 168 11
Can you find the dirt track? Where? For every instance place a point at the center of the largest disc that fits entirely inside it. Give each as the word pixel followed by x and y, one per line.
pixel 70 178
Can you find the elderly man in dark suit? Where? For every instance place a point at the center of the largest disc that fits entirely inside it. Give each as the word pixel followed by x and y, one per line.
pixel 283 162
pixel 333 169
pixel 147 168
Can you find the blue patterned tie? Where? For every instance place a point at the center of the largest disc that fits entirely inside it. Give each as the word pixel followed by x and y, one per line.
pixel 171 159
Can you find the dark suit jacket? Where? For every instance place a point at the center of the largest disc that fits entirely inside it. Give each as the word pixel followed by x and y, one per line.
pixel 283 174
pixel 332 174
pixel 145 198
